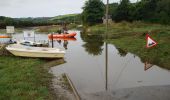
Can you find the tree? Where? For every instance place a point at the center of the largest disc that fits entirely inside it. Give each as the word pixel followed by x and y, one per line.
pixel 112 9
pixel 123 11
pixel 93 11
pixel 163 12
pixel 146 10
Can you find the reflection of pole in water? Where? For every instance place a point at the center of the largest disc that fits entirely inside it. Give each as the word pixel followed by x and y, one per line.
pixel 106 46
pixel 65 43
pixel 59 41
pixel 106 64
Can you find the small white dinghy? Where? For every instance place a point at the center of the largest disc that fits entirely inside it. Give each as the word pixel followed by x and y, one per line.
pixel 39 52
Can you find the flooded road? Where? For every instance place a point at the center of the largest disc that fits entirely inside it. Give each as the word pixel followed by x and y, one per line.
pixel 120 76
pixel 123 76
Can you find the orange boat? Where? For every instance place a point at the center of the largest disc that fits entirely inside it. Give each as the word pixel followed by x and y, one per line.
pixel 68 39
pixel 5 36
pixel 62 35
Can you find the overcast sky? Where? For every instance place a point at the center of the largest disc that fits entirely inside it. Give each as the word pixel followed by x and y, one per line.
pixel 41 8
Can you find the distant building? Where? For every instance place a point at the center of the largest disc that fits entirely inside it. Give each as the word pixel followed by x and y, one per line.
pixel 109 19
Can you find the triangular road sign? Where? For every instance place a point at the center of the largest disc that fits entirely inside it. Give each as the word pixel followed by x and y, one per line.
pixel 150 42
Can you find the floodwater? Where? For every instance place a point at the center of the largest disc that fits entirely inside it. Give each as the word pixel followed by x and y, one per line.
pixel 112 74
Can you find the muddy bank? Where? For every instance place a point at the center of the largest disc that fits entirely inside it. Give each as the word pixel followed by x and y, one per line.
pixel 62 88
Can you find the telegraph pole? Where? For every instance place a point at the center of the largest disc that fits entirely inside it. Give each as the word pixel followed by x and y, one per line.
pixel 106 46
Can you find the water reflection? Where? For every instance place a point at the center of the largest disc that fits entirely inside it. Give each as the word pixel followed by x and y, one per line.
pixel 147 66
pixel 93 44
pixel 65 43
pixel 59 41
pixel 121 52
pixel 106 66
pixel 4 40
pixel 110 72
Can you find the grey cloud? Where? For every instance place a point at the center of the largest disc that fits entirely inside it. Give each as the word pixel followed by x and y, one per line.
pixel 37 8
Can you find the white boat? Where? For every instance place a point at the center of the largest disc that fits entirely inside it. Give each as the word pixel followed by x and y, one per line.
pixel 35 52
pixel 30 43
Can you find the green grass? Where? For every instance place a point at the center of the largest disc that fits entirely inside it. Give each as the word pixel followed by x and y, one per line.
pixel 24 79
pixel 54 28
pixel 64 16
pixel 131 38
pixel 158 55
pixel 130 28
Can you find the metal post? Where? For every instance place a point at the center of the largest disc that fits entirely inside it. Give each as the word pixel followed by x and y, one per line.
pixel 52 40
pixel 34 37
pixel 107 14
pixel 106 45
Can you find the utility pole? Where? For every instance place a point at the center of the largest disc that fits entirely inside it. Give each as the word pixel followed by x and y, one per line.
pixel 107 15
pixel 106 46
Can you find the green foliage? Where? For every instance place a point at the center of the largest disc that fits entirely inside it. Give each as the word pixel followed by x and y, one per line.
pixel 123 11
pixel 25 22
pixel 4 21
pixel 39 21
pixel 93 11
pixel 112 9
pixel 69 18
pixel 155 11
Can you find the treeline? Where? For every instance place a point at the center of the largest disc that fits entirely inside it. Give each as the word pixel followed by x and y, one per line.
pixel 154 11
pixel 39 21
pixel 24 22
pixel 69 18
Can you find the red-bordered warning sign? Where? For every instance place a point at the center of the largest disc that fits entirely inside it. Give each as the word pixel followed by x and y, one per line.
pixel 150 42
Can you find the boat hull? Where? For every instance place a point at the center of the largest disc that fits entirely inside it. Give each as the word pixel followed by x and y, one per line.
pixel 70 35
pixel 5 36
pixel 41 53
pixel 36 55
pixel 65 39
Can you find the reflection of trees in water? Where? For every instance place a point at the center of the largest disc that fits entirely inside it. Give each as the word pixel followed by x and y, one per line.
pixel 93 44
pixel 122 52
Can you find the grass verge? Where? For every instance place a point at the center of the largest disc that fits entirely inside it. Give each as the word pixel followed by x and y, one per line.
pixel 24 79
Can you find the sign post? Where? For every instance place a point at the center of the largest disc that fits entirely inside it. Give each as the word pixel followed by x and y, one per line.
pixel 10 30
pixel 29 34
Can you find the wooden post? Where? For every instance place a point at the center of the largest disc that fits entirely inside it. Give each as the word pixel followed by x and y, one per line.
pixel 52 40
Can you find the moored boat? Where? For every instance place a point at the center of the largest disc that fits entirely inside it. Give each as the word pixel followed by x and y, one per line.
pixel 67 39
pixel 5 36
pixel 62 35
pixel 35 52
